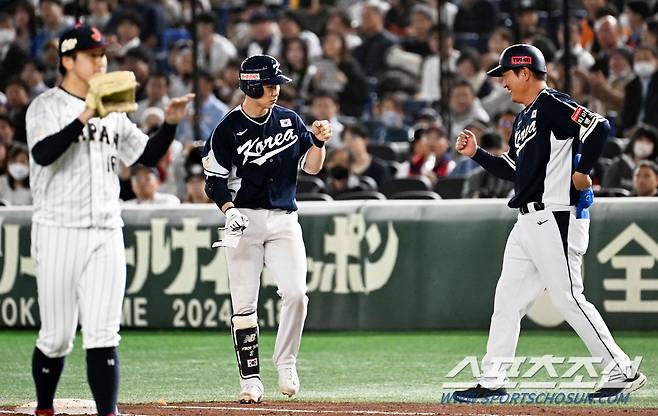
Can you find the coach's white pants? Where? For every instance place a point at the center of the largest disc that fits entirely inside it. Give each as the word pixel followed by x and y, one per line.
pixel 535 260
pixel 80 272
pixel 273 238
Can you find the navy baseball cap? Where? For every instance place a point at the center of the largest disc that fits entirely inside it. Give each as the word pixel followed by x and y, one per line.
pixel 81 38
pixel 519 56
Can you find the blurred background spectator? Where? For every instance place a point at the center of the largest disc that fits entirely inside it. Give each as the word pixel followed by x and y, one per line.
pixel 645 179
pixel 482 184
pixel 374 68
pixel 15 182
pixel 145 184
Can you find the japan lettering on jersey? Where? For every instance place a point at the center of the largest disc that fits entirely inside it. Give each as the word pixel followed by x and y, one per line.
pixel 259 158
pixel 81 188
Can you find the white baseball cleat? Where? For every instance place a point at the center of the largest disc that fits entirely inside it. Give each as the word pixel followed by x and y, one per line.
pixel 251 391
pixel 288 381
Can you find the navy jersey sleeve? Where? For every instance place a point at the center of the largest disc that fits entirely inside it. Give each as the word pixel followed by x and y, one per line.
pixel 503 166
pixel 305 140
pixel 567 119
pixel 217 163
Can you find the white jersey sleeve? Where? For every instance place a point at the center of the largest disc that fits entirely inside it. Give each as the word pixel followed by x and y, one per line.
pixel 41 121
pixel 132 142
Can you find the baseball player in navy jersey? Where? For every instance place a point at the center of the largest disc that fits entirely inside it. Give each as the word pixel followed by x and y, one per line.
pixel 251 164
pixel 77 242
pixel 546 246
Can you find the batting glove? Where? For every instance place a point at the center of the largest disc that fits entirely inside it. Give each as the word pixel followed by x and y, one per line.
pixel 235 221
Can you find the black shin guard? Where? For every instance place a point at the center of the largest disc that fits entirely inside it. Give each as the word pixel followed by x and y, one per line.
pixel 244 328
pixel 103 376
pixel 46 372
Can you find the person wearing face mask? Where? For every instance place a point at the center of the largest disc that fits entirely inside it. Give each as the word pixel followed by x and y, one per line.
pixel 15 184
pixel 643 146
pixel 12 57
pixel 641 94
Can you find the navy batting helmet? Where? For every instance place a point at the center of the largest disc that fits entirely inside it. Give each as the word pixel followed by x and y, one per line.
pixel 259 70
pixel 519 56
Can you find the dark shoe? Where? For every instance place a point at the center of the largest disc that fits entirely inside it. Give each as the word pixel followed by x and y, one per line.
pixel 477 394
pixel 631 384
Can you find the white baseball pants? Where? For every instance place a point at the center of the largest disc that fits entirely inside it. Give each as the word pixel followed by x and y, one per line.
pixel 273 238
pixel 544 251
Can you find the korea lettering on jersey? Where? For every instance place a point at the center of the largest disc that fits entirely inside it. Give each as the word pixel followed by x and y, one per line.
pixel 546 136
pixel 259 159
pixel 81 188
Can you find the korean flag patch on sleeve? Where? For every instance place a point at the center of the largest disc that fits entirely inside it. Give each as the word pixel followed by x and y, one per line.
pixel 583 117
pixel 285 122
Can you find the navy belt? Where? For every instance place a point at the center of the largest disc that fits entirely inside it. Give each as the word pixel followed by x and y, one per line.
pixel 531 207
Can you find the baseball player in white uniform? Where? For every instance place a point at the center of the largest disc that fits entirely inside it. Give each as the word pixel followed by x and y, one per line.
pixel 251 164
pixel 77 242
pixel 546 246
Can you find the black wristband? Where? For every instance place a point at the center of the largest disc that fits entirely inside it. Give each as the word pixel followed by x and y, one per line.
pixel 318 143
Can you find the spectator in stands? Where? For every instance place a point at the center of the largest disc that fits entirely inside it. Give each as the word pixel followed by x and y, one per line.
pixel 291 28
pixel 180 81
pixel 609 38
pixel 297 66
pixel 139 61
pixel 7 129
pixel 151 15
pixel 390 112
pixel 642 146
pixel 212 111
pixel 420 161
pixel 12 57
pixel 595 10
pixel 54 23
pixel 100 13
pixel 339 73
pixel 151 119
pixel 3 158
pixel 363 163
pixel 499 39
pixel 227 84
pixel 641 94
pixel 465 107
pixel 476 16
pixel 421 21
pixel 264 39
pixel 526 21
pixel 645 179
pixel 376 41
pixel 468 68
pixel 482 184
pixel 17 102
pixel 324 106
pixel 129 28
pixel 313 15
pixel 50 59
pixel 440 147
pixel 32 75
pixel 145 184
pixel 650 37
pixel 25 24
pixel 215 50
pixel 340 23
pixel 339 179
pixel 584 59
pixel 637 12
pixel 503 124
pixel 157 88
pixel 195 186
pixel 15 183
pixel 608 92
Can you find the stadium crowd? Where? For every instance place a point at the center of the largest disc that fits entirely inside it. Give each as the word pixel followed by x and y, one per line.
pixel 397 80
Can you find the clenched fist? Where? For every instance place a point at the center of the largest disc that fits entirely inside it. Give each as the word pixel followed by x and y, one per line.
pixel 321 129
pixel 466 143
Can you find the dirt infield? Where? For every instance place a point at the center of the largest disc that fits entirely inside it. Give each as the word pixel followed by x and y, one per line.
pixel 293 408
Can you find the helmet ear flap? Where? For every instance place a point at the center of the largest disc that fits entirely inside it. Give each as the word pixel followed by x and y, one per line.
pixel 252 89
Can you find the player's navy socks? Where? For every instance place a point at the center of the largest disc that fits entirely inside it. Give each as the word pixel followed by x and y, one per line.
pixel 103 376
pixel 45 372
